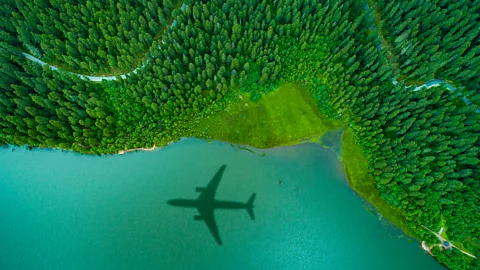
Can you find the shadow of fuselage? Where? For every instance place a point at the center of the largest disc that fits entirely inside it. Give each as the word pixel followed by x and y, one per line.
pixel 199 204
pixel 206 204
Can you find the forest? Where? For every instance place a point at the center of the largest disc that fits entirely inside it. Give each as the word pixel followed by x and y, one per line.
pixel 444 44
pixel 422 146
pixel 95 37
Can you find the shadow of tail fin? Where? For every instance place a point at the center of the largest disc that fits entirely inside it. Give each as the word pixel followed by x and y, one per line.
pixel 249 206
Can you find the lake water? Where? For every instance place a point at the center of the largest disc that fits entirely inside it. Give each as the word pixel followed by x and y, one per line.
pixel 61 210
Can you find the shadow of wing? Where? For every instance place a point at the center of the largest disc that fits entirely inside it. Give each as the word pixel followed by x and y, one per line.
pixel 209 218
pixel 209 192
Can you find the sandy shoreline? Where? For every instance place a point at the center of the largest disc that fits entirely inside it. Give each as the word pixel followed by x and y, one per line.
pixel 121 152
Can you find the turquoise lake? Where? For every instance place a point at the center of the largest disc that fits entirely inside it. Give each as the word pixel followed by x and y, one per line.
pixel 61 210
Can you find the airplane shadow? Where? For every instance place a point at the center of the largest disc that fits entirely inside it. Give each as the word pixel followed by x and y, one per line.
pixel 206 204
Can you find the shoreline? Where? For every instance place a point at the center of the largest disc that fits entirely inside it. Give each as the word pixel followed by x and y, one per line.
pixel 363 188
pixel 315 138
pixel 309 139
pixel 121 152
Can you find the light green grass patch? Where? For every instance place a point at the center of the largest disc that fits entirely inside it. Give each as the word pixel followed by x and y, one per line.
pixel 286 116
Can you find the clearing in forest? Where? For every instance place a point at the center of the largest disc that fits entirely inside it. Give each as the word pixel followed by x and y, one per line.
pixel 285 116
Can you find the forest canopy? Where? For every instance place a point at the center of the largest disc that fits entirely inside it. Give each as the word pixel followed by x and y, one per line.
pixel 101 36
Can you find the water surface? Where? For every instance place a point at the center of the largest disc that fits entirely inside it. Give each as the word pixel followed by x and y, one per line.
pixel 61 210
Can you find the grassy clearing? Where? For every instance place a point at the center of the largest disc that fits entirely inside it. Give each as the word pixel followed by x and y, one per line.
pixel 357 174
pixel 286 116
pixel 443 223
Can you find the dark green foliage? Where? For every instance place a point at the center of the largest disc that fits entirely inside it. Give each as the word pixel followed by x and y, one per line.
pixel 452 258
pixel 425 157
pixel 434 39
pixel 93 36
pixel 49 109
pixel 8 34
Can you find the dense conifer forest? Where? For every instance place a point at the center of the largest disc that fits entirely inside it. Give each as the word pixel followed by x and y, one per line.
pixel 91 36
pixel 42 107
pixel 422 146
pixel 434 39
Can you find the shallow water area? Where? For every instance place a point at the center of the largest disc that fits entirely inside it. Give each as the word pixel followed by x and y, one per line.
pixel 62 210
